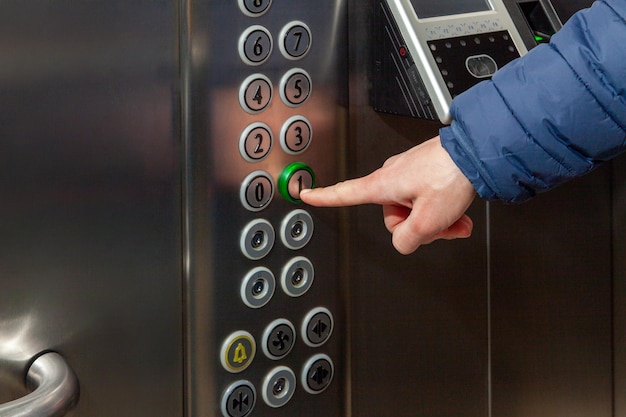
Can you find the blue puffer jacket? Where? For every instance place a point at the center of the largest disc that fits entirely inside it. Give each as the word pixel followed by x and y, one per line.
pixel 550 116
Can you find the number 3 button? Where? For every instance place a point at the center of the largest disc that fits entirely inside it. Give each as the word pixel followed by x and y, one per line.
pixel 257 190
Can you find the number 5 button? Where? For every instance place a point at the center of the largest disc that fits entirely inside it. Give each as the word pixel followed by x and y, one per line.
pixel 295 87
pixel 295 178
pixel 257 191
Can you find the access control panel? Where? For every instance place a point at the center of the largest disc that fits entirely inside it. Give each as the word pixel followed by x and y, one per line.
pixel 266 333
pixel 427 52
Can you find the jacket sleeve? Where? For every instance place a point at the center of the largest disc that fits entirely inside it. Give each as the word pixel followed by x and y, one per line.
pixel 550 116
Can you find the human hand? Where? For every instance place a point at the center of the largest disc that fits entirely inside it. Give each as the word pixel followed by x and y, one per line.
pixel 423 193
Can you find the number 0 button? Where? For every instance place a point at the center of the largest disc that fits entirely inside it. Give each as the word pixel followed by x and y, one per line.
pixel 255 45
pixel 255 93
pixel 257 190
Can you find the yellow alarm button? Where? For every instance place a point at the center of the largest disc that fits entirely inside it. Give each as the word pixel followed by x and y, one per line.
pixel 238 351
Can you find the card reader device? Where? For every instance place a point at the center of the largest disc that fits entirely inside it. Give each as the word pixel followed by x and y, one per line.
pixel 429 51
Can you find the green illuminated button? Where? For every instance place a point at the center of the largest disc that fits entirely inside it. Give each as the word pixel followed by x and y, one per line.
pixel 295 177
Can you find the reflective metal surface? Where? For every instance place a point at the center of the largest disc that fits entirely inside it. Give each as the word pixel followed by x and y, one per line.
pixel 227 220
pixel 90 200
pixel 55 386
pixel 419 322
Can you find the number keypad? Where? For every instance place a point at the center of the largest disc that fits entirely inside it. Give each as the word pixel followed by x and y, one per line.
pixel 262 116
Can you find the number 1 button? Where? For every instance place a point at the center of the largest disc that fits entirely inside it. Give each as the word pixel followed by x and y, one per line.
pixel 295 178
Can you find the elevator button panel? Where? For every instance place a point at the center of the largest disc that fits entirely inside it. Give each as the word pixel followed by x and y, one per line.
pixel 265 78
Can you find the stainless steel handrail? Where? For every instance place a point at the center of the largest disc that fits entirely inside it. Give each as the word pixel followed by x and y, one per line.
pixel 55 389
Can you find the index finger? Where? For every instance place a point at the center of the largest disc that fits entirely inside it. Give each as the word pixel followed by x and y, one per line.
pixel 347 193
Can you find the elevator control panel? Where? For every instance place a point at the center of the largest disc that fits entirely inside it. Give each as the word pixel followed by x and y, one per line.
pixel 265 279
pixel 430 51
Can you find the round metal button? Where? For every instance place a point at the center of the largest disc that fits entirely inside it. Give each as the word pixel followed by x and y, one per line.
pixel 279 386
pixel 254 8
pixel 238 399
pixel 297 276
pixel 295 87
pixel 255 93
pixel 257 191
pixel 296 135
pixel 295 40
pixel 317 327
pixel 256 142
pixel 278 339
pixel 255 45
pixel 238 351
pixel 317 374
pixel 257 239
pixel 257 287
pixel 296 229
pixel 294 178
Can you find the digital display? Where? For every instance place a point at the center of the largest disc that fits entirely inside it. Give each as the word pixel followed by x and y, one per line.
pixel 437 8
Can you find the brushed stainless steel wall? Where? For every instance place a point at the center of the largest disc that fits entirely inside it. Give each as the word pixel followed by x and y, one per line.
pixel 90 256
pixel 552 292
pixel 619 286
pixel 519 320
pixel 419 322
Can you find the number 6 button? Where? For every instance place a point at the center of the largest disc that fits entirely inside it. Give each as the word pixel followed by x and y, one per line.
pixel 257 191
pixel 255 45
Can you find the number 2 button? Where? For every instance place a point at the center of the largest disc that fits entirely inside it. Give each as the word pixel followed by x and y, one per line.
pixel 255 142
